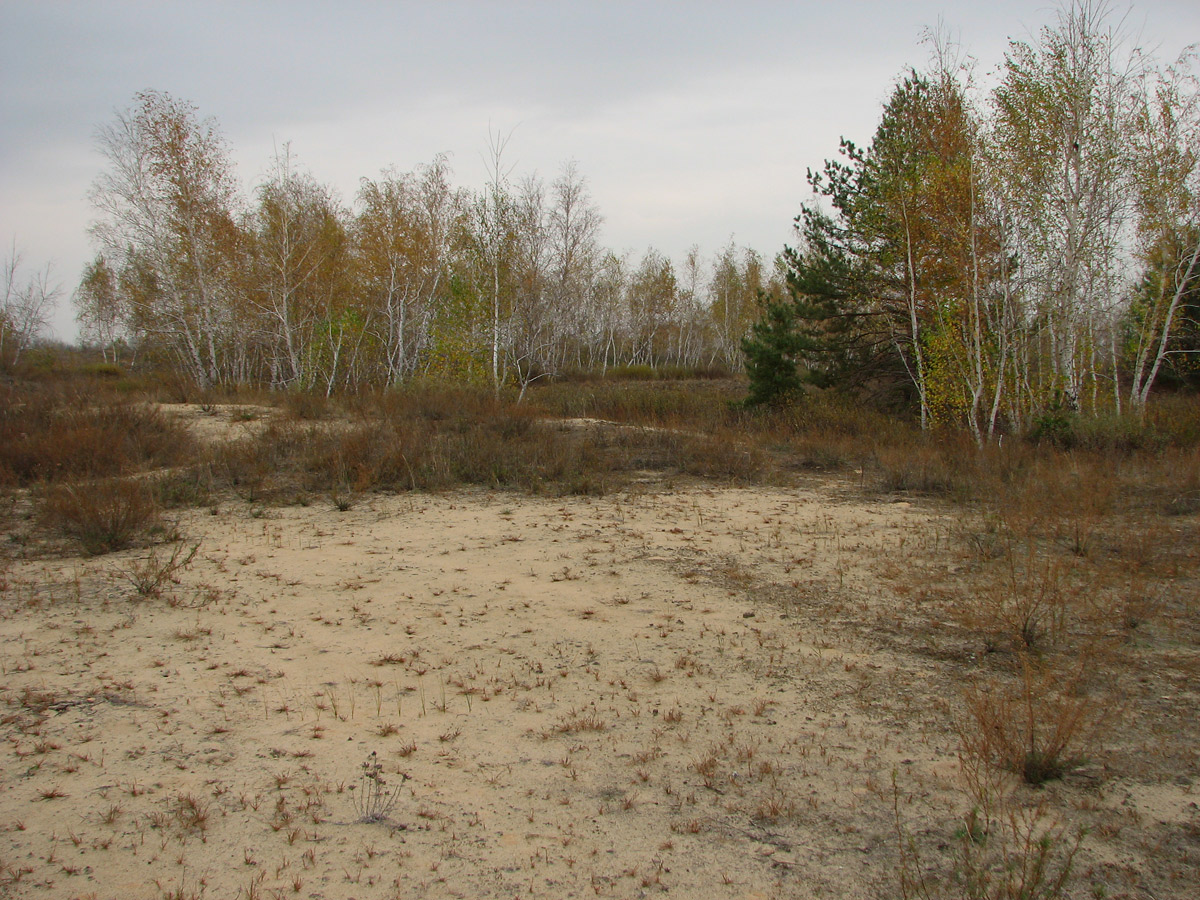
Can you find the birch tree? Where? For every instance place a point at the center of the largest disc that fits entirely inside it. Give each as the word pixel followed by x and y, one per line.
pixel 494 213
pixel 738 279
pixel 573 228
pixel 1167 178
pixel 25 307
pixel 99 310
pixel 299 243
pixel 651 297
pixel 533 313
pixel 405 231
pixel 610 315
pixel 166 208
pixel 692 306
pixel 1060 140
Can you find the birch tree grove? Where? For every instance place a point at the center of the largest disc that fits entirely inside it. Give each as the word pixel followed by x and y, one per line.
pixel 995 260
pixel 294 291
pixel 996 257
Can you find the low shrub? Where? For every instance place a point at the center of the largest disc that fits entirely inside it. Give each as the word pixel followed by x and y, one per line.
pixel 687 405
pixel 1056 429
pixel 47 437
pixel 1039 726
pixel 944 464
pixel 104 516
pixel 1004 850
pixel 1175 418
pixel 306 405
pixel 148 576
pixel 184 486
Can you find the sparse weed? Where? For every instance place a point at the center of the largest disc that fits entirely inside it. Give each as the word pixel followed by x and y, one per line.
pixel 150 574
pixel 375 798
pixel 191 813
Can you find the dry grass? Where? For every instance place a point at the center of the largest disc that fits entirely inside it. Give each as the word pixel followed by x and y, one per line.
pixel 434 438
pixel 53 436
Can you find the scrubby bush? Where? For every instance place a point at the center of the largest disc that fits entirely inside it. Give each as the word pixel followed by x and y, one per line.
pixel 46 436
pixel 1038 726
pixel 103 516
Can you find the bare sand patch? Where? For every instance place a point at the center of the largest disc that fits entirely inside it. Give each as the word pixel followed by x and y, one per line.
pixel 699 692
pixel 581 693
pixel 219 422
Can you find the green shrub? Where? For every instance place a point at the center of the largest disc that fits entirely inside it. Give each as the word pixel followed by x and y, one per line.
pixel 1055 428
pixel 105 370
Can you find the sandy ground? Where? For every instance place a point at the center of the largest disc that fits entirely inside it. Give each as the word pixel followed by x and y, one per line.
pixel 690 692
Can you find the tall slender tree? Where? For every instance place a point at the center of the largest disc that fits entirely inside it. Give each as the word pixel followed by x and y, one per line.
pixel 1167 178
pixel 1060 147
pixel 405 233
pixel 166 207
pixel 299 244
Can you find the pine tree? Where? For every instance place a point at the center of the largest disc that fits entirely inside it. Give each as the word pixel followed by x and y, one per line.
pixel 772 351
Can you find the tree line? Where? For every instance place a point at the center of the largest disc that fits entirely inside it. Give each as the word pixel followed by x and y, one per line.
pixel 293 289
pixel 993 258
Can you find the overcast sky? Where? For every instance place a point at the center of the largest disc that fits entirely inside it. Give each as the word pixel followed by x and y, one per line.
pixel 693 122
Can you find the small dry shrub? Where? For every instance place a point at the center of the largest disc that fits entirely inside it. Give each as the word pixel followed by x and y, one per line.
pixel 1016 853
pixel 1171 482
pixel 256 466
pixel 1039 726
pixel 105 515
pixel 946 464
pixel 149 575
pixel 701 405
pixel 1079 501
pixel 375 796
pixel 1024 602
pixel 425 437
pixel 184 486
pixel 1175 418
pixel 720 454
pixel 306 405
pixel 1003 849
